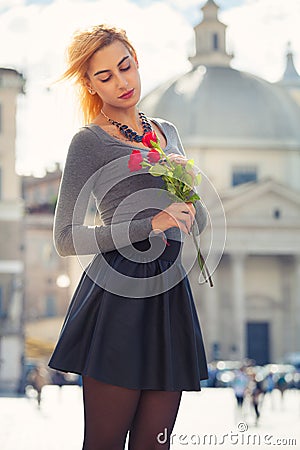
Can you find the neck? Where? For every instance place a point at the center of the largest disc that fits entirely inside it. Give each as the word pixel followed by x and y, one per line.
pixel 127 116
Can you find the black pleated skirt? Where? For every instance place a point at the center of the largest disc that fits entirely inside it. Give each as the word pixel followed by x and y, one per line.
pixel 125 329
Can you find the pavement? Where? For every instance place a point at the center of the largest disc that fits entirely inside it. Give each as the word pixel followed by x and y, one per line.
pixel 207 419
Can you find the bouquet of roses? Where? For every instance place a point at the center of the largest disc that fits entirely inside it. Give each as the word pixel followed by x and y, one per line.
pixel 179 181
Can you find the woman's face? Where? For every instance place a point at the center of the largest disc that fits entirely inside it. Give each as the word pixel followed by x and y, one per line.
pixel 114 76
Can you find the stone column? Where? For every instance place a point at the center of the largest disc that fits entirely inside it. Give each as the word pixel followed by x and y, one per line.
pixel 297 304
pixel 212 311
pixel 238 294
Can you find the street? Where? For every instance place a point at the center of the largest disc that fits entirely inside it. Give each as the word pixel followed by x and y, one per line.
pixel 206 419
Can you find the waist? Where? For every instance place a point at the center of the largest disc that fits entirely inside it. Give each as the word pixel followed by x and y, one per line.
pixel 151 249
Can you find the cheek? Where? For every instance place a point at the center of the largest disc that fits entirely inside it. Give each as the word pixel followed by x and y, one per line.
pixel 103 90
pixel 137 79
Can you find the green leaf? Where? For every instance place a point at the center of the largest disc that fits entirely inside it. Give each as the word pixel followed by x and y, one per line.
pixel 178 171
pixel 171 188
pixel 189 165
pixel 157 170
pixel 198 178
pixel 193 198
pixel 145 164
pixel 187 179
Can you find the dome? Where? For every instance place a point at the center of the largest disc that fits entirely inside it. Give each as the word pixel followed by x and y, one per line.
pixel 215 105
pixel 221 106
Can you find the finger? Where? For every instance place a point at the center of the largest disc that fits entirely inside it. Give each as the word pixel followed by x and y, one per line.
pixel 186 218
pixel 192 208
pixel 189 222
pixel 179 220
pixel 177 158
pixel 183 226
pixel 182 207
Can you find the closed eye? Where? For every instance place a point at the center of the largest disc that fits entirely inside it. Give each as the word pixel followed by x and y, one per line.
pixel 106 79
pixel 123 69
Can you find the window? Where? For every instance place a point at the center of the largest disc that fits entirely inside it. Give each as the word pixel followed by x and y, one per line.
pixel 242 175
pixel 2 314
pixel 50 310
pixel 215 41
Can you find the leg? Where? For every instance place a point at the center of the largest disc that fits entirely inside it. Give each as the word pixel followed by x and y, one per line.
pixel 108 413
pixel 154 420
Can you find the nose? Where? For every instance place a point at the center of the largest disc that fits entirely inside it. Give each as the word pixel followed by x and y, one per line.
pixel 122 81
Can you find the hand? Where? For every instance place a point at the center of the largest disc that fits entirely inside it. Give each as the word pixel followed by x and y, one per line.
pixel 178 159
pixel 182 160
pixel 179 215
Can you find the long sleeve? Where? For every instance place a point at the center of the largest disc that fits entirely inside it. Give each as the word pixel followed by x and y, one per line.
pixel 85 160
pixel 201 213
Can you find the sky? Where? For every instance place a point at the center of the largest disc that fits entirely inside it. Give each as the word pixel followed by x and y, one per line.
pixel 35 34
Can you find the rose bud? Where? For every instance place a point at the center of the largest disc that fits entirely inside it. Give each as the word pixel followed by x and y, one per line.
pixel 153 156
pixel 135 160
pixel 148 137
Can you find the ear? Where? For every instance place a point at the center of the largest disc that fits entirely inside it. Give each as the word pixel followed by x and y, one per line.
pixel 88 86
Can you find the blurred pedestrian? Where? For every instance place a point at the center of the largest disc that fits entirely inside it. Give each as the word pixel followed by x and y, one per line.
pixel 38 377
pixel 282 385
pixel 268 385
pixel 239 385
pixel 257 396
pixel 58 378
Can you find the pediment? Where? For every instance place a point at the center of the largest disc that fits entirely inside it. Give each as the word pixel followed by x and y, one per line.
pixel 265 202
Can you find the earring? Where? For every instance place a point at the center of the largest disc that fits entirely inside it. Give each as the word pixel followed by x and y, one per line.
pixel 91 91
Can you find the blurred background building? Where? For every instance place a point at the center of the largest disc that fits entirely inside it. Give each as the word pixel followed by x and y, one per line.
pixel 11 237
pixel 47 289
pixel 243 133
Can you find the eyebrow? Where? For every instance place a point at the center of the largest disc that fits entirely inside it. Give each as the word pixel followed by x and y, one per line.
pixel 107 70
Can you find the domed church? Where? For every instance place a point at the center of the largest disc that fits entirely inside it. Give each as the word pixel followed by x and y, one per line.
pixel 243 133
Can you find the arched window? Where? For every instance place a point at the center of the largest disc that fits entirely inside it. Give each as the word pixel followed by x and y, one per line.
pixel 215 41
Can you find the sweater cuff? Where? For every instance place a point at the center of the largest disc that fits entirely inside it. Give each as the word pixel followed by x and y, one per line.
pixel 140 229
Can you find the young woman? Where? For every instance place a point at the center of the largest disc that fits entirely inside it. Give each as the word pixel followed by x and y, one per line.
pixel 131 330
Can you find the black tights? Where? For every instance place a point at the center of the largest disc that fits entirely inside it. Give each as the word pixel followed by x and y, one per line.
pixel 111 411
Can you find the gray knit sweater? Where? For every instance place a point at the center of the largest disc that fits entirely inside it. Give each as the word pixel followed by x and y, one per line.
pixel 96 165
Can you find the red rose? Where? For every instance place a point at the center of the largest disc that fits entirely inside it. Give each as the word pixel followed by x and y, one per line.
pixel 153 156
pixel 150 136
pixel 135 160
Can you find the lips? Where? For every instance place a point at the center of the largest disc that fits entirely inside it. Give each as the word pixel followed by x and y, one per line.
pixel 127 94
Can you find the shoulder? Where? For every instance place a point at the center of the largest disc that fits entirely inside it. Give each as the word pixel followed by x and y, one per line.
pixel 165 124
pixel 85 137
pixel 86 152
pixel 168 128
pixel 85 144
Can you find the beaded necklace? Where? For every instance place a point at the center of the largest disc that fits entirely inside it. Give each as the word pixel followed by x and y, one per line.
pixel 128 132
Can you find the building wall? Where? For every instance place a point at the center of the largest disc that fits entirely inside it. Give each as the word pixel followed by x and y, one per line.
pixel 11 238
pixel 44 297
pixel 282 164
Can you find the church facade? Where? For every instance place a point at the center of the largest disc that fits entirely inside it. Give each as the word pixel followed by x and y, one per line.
pixel 244 135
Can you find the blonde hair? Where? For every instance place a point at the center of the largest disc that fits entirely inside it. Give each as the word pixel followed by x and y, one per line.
pixel 82 47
